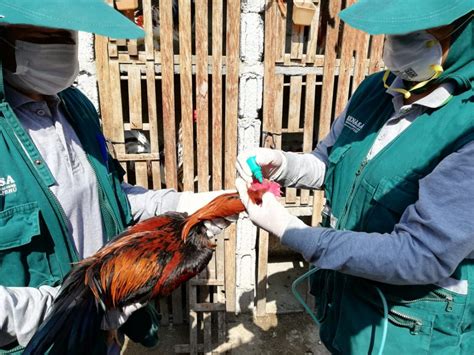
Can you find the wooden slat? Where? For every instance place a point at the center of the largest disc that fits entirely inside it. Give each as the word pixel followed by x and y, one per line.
pixel 346 67
pixel 135 97
pixel 209 307
pixel 138 157
pixel 217 8
pixel 232 85
pixel 297 42
pixel 206 282
pixel 152 109
pixel 270 49
pixel 202 94
pixel 166 36
pixel 132 47
pixel 313 37
pixel 113 50
pixel 193 320
pixel 103 82
pixel 116 133
pixel 230 276
pixel 202 137
pixel 156 174
pixel 141 174
pixel 361 55
pixel 279 29
pixel 376 50
pixel 220 268
pixel 295 103
pixel 329 65
pixel 262 269
pixel 186 93
pixel 294 122
pixel 148 27
pixel 276 140
pixel 308 125
pixel 169 127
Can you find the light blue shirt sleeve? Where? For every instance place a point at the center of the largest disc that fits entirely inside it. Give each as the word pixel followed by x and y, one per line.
pixel 145 203
pixel 434 235
pixel 307 170
pixel 22 309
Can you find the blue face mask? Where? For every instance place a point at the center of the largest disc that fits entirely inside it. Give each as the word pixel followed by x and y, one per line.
pixel 44 68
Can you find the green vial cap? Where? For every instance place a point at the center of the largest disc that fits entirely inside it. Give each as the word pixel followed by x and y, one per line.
pixel 255 168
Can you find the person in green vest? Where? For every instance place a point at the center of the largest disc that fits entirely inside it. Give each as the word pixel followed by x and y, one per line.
pixel 397 170
pixel 62 195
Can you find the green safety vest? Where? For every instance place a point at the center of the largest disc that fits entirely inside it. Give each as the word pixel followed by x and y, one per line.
pixel 371 196
pixel 36 247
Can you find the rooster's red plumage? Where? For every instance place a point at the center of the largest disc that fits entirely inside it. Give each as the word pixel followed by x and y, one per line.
pixel 148 260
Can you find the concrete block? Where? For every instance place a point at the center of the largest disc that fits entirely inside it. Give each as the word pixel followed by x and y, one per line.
pixel 251 38
pixel 248 133
pixel 87 78
pixel 247 233
pixel 257 6
pixel 250 97
pixel 245 281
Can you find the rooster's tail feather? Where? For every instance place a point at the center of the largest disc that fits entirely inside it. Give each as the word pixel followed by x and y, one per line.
pixel 73 323
pixel 222 206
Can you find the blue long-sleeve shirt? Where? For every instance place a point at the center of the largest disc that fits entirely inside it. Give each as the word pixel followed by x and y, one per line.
pixel 433 237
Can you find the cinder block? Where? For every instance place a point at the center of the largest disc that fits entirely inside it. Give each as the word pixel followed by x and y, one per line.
pixel 251 38
pixel 252 6
pixel 250 97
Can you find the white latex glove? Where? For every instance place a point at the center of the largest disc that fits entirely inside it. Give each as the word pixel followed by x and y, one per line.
pixel 114 318
pixel 190 202
pixel 271 215
pixel 273 163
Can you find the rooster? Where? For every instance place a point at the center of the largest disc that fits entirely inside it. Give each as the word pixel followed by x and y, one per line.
pixel 148 260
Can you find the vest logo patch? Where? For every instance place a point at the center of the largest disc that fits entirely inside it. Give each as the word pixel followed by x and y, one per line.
pixel 353 124
pixel 7 185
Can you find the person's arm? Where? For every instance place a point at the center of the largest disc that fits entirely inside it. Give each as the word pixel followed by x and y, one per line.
pixel 22 309
pixel 146 203
pixel 305 170
pixel 308 170
pixel 433 236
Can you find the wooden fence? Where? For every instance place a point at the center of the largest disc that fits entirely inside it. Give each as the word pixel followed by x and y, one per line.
pixel 310 72
pixel 179 88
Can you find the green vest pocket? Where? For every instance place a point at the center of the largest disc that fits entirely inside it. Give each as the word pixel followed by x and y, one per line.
pixel 390 199
pixel 23 250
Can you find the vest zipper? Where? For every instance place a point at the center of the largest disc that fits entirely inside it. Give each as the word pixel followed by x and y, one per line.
pixel 403 320
pixel 51 197
pixel 103 203
pixel 442 297
pixel 359 171
pixel 102 197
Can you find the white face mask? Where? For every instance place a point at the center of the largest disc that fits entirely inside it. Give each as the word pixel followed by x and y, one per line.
pixel 415 56
pixel 44 68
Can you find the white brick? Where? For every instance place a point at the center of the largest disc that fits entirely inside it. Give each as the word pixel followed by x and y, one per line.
pixel 87 78
pixel 251 37
pixel 250 96
pixel 252 6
